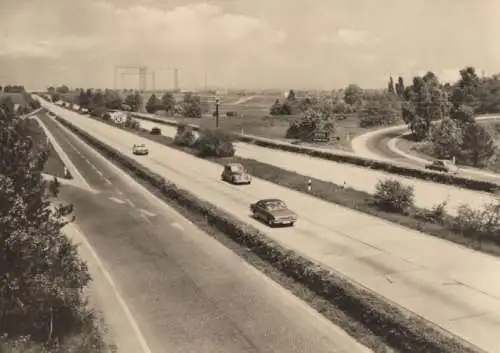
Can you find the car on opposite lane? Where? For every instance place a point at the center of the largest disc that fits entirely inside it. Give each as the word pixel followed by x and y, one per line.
pixel 442 165
pixel 273 212
pixel 140 150
pixel 235 173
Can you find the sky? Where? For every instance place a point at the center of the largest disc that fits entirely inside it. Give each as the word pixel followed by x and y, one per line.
pixel 299 44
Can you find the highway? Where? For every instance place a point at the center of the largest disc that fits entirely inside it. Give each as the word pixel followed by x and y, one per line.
pixel 427 194
pixel 456 288
pixel 382 145
pixel 186 291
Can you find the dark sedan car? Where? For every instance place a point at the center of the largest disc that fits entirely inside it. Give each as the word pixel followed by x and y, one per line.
pixel 274 212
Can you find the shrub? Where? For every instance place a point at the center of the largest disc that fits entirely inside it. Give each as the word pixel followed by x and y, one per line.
pixel 185 136
pixel 155 131
pixel 472 222
pixel 215 144
pixel 391 195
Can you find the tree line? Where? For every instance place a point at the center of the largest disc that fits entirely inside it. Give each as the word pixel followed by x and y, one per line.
pixel 42 278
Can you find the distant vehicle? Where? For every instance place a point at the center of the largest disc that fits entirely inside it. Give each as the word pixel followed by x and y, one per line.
pixel 140 150
pixel 442 165
pixel 235 173
pixel 273 212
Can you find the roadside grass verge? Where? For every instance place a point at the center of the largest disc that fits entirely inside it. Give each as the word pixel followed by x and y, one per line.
pixel 423 220
pixel 54 165
pixel 369 318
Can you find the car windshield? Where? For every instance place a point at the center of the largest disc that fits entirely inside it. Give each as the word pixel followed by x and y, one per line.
pixel 235 168
pixel 275 205
pixel 140 146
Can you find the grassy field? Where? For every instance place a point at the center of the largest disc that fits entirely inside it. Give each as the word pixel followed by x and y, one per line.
pixel 54 165
pixel 254 118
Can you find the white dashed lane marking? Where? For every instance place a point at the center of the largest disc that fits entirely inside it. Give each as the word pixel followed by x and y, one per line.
pixel 147 213
pixel 177 225
pixel 112 198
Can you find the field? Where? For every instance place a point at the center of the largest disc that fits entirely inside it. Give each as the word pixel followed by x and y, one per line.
pixel 254 118
pixel 54 165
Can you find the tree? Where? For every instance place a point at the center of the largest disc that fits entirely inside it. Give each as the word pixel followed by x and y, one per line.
pixel 353 94
pixel 446 138
pixel 8 106
pixel 462 114
pixel 275 108
pixel 153 104
pixel 291 95
pixel 390 86
pixel 62 89
pixel 400 87
pixel 112 100
pixel 168 102
pixel 134 101
pixel 41 276
pixel 393 196
pixel 381 111
pixel 477 146
pixel 191 106
pixel 215 143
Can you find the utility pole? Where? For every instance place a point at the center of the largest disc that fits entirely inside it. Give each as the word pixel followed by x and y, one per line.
pixel 217 112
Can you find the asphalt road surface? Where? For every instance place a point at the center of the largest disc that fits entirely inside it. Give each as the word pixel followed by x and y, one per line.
pixel 452 286
pixel 187 292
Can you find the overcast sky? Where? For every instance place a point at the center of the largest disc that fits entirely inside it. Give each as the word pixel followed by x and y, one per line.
pixel 245 43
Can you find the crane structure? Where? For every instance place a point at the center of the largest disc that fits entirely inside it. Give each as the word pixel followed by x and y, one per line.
pixel 144 73
pixel 141 71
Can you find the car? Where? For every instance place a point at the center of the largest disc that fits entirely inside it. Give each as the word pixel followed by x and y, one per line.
pixel 442 165
pixel 235 173
pixel 140 150
pixel 273 212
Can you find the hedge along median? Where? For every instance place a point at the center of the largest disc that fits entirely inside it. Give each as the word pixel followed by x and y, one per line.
pixel 472 184
pixel 399 328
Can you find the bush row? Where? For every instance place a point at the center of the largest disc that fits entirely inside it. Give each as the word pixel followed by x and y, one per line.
pixel 467 183
pixel 399 328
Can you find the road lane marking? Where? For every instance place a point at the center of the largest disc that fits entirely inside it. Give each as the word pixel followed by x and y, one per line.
pixel 147 213
pixel 112 198
pixel 142 341
pixel 176 225
pixel 130 202
pixel 59 150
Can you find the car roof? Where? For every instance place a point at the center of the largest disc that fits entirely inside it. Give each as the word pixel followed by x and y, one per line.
pixel 270 200
pixel 234 164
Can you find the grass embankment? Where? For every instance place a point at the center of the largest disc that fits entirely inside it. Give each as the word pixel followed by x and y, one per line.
pixel 54 165
pixel 432 222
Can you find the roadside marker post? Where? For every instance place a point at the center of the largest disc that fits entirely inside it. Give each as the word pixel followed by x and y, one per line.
pixel 309 185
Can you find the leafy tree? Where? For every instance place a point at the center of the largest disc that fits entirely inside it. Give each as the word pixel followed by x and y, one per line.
pixel 400 87
pixel 477 146
pixel 153 104
pixel 191 106
pixel 8 106
pixel 41 276
pixel 446 138
pixel 275 108
pixel 390 86
pixel 112 100
pixel 215 143
pixel 168 102
pixel 291 95
pixel 134 101
pixel 62 89
pixel 314 119
pixel 462 114
pixel 466 90
pixel 379 112
pixel 353 94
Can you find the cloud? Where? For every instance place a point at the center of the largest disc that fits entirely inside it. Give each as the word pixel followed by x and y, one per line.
pixel 346 36
pixel 54 31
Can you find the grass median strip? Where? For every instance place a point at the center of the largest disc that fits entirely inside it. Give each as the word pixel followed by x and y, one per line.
pixel 417 219
pixel 472 184
pixel 366 316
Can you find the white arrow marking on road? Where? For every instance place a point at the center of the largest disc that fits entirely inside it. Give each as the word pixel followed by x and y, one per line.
pixel 121 202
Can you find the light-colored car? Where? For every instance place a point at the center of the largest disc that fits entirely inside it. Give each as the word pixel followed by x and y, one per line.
pixel 140 150
pixel 442 165
pixel 273 212
pixel 235 173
